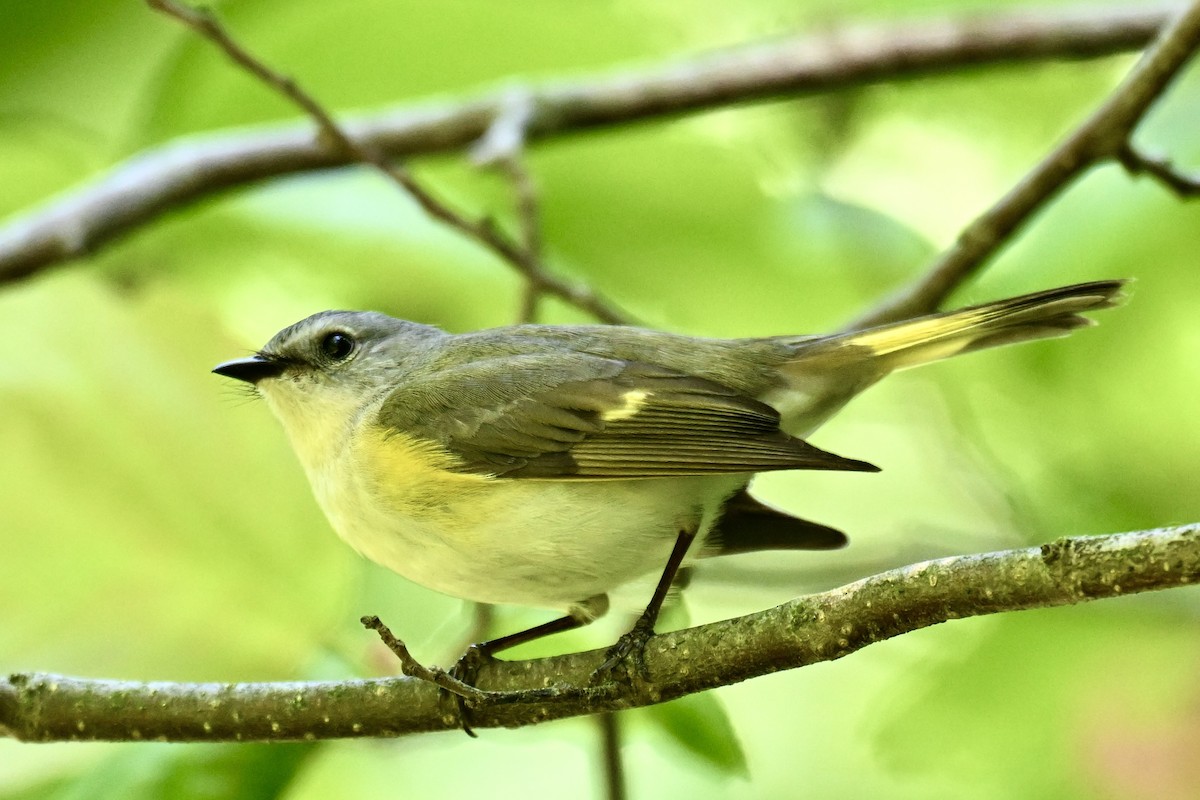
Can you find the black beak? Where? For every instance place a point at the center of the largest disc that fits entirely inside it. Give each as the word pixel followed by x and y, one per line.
pixel 250 370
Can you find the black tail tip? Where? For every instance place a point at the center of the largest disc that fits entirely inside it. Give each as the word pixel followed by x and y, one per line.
pixel 1112 292
pixel 855 465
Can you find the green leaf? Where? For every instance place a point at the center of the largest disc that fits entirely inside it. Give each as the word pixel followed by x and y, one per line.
pixel 700 725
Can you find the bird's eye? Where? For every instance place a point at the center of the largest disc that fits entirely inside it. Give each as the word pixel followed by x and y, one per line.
pixel 337 345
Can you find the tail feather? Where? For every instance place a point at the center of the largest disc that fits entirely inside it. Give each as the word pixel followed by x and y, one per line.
pixel 827 371
pixel 1054 312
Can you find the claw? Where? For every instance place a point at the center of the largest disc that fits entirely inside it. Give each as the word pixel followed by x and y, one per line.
pixel 632 646
pixel 630 649
pixel 466 669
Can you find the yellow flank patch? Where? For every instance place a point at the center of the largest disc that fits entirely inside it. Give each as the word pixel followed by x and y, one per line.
pixel 631 402
pixel 397 460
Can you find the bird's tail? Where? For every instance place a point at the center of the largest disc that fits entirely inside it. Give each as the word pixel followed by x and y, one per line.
pixel 827 371
pixel 1054 312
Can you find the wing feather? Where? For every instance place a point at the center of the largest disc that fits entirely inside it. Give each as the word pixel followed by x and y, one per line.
pixel 576 416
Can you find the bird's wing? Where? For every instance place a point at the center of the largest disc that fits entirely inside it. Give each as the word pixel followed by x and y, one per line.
pixel 571 415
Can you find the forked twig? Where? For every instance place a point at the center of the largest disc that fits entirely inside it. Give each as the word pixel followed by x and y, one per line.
pixel 139 190
pixel 360 150
pixel 1104 136
pixel 1184 185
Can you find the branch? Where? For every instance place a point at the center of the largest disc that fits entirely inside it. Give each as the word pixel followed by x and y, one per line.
pixel 1103 137
pixel 807 630
pixel 525 261
pixel 139 190
pixel 614 767
pixel 503 146
pixel 1161 169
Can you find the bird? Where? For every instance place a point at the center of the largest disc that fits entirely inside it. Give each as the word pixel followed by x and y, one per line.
pixel 547 465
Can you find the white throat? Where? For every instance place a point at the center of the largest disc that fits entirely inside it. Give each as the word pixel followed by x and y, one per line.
pixel 317 419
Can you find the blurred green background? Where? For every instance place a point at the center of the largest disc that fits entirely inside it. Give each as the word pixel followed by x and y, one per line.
pixel 154 524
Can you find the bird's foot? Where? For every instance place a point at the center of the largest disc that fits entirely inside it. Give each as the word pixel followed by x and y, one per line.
pixel 465 671
pixel 630 652
pixel 457 683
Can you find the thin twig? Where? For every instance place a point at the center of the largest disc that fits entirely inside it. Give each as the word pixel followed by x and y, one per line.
pixel 531 294
pixel 1184 186
pixel 610 747
pixel 807 630
pixel 503 146
pixel 1104 136
pixel 505 139
pixel 366 152
pixel 150 184
pixel 529 218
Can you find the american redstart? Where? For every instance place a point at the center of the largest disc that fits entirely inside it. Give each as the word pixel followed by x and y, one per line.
pixel 546 465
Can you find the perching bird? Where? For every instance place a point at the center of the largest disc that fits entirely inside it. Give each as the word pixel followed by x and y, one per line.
pixel 546 465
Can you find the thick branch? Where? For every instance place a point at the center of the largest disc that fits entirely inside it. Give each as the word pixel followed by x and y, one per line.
pixel 822 627
pixel 1103 137
pixel 139 190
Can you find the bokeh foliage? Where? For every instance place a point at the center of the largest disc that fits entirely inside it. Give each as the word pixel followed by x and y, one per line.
pixel 155 525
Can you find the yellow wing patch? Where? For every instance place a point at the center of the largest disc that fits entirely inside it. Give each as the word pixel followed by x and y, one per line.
pixel 631 403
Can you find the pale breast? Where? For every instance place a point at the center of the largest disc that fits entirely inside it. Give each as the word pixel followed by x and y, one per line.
pixel 544 543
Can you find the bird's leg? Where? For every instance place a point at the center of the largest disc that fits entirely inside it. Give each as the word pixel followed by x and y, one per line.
pixel 634 642
pixel 479 653
pixel 466 669
pixel 578 615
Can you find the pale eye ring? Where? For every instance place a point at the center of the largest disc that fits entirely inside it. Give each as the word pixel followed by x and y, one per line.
pixel 337 345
